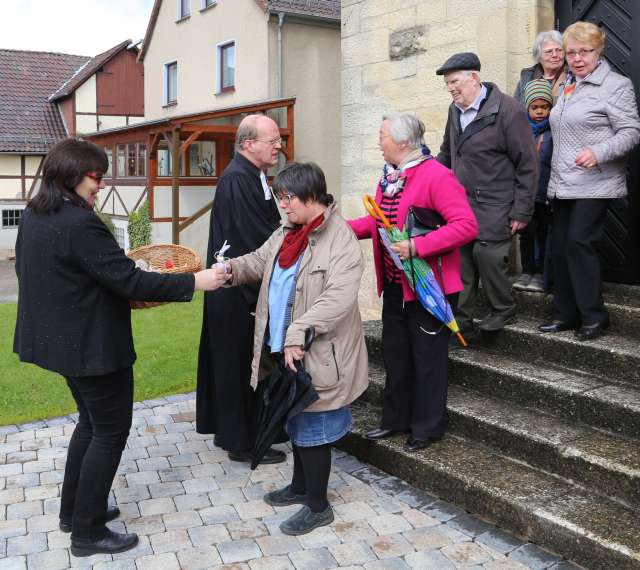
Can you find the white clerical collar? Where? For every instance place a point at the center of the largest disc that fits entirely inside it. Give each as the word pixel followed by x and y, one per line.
pixel 265 185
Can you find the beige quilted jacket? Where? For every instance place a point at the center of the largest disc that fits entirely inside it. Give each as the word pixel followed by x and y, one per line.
pixel 601 115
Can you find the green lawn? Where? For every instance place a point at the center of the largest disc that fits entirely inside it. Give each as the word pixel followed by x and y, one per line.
pixel 166 340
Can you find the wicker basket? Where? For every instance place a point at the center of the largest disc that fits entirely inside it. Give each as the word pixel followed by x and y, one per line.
pixel 165 258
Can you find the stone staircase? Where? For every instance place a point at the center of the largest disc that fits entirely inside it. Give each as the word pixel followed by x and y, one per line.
pixel 544 434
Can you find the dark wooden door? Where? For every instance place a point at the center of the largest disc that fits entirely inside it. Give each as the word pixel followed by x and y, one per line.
pixel 620 248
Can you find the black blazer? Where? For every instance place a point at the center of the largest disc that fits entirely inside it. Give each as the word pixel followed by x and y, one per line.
pixel 74 289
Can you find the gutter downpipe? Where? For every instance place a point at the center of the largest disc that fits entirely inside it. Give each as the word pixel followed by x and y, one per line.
pixel 280 74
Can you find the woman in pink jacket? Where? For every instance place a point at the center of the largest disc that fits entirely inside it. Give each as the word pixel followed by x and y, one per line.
pixel 414 343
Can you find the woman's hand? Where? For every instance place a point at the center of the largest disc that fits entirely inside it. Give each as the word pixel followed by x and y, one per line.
pixel 586 158
pixel 404 249
pixel 291 354
pixel 211 279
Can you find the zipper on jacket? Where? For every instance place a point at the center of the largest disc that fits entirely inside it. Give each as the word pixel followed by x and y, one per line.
pixel 335 361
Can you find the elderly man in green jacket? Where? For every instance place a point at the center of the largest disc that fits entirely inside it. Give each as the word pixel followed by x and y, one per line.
pixel 488 145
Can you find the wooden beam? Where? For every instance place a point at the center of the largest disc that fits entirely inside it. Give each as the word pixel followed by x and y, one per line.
pixel 192 138
pixel 35 178
pixel 175 186
pixel 201 212
pixel 139 201
pixel 290 154
pixel 23 174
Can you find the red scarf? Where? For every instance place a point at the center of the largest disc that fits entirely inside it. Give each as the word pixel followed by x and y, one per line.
pixel 296 241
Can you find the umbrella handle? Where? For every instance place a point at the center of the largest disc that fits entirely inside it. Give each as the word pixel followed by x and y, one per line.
pixel 461 339
pixel 309 337
pixel 372 208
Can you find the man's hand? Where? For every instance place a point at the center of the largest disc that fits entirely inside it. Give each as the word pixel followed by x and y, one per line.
pixel 586 158
pixel 402 249
pixel 291 354
pixel 211 279
pixel 516 226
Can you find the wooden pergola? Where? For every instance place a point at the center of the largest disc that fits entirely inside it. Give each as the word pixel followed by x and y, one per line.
pixel 180 133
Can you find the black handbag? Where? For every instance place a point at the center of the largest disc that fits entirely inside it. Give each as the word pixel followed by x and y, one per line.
pixel 422 221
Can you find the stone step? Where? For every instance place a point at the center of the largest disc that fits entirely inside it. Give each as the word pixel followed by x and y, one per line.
pixel 603 462
pixel 624 311
pixel 585 527
pixel 613 358
pixel 584 398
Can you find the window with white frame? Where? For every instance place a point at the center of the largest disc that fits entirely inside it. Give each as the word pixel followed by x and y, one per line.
pixel 226 77
pixel 170 81
pixel 206 3
pixel 11 219
pixel 183 9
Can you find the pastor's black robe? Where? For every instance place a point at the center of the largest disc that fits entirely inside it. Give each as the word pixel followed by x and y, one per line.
pixel 242 216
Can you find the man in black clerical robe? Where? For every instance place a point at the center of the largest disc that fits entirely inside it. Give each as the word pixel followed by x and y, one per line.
pixel 244 214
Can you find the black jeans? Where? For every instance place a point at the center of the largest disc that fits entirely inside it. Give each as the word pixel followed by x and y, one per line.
pixel 415 349
pixel 105 405
pixel 578 226
pixel 535 234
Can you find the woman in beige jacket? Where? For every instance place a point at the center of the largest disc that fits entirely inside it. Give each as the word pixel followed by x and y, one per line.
pixel 310 271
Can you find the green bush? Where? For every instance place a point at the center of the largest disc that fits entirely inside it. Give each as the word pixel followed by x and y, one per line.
pixel 106 220
pixel 139 228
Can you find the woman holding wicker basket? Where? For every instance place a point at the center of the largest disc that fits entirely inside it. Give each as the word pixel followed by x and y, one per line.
pixel 74 318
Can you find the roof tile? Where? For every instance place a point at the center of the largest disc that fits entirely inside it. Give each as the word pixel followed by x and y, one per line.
pixel 28 122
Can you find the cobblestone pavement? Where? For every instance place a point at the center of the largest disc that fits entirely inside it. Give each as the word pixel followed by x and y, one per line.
pixel 193 508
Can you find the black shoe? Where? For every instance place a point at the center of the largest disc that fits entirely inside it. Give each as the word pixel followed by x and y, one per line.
pixel 284 497
pixel 413 444
pixel 112 513
pixel 112 543
pixel 589 332
pixel 381 433
pixel 271 456
pixel 217 441
pixel 556 326
pixel 496 322
pixel 305 520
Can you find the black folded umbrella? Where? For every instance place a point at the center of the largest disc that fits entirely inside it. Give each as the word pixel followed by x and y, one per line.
pixel 281 397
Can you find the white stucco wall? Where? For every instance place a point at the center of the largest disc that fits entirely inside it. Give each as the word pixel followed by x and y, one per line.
pixel 109 203
pixel 192 198
pixel 311 74
pixel 192 43
pixel 86 99
pixel 86 124
pixel 112 121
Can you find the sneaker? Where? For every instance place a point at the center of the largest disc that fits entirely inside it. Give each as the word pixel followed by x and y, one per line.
pixel 305 520
pixel 536 285
pixel 284 497
pixel 496 322
pixel 522 282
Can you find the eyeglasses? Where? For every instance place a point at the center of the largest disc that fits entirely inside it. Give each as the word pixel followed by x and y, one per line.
pixel 286 198
pixel 552 51
pixel 581 52
pixel 95 176
pixel 272 142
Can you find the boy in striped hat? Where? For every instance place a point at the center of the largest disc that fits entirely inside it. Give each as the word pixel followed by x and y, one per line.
pixel 538 100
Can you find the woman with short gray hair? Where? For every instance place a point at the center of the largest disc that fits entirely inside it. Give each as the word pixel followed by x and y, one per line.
pixel 548 54
pixel 414 343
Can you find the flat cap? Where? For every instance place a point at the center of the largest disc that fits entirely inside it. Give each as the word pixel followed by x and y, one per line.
pixel 460 61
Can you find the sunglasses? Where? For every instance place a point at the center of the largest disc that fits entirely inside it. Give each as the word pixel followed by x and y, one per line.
pixel 95 176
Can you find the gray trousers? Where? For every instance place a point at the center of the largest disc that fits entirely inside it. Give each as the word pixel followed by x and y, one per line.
pixel 487 261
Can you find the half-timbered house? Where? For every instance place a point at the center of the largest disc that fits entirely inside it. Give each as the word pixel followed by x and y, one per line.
pixel 45 97
pixel 206 65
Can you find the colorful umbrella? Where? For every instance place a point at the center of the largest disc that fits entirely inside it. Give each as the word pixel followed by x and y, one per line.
pixel 418 272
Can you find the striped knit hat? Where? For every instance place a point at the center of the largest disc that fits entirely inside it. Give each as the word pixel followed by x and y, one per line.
pixel 537 89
